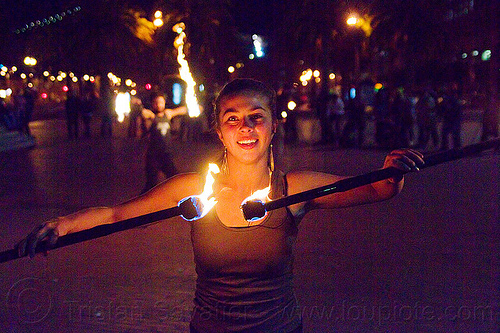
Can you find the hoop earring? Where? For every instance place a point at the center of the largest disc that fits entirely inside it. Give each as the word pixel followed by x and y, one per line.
pixel 271 158
pixel 224 168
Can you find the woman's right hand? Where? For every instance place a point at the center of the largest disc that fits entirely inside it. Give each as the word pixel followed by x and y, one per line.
pixel 47 232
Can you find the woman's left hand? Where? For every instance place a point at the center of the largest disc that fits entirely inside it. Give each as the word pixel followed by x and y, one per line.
pixel 406 160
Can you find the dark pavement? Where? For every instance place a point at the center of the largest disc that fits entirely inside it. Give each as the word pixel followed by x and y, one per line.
pixel 425 261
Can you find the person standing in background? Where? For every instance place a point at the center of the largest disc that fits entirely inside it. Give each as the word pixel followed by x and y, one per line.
pixel 335 113
pixel 135 120
pixel 402 118
pixel 73 105
pixel 29 98
pixel 491 120
pixel 157 128
pixel 106 104
pixel 451 113
pixel 427 120
pixel 89 105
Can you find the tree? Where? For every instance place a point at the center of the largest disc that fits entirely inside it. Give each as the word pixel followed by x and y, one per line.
pixel 212 37
pixel 92 37
pixel 411 38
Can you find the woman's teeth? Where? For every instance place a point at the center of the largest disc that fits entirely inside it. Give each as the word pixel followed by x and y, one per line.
pixel 246 142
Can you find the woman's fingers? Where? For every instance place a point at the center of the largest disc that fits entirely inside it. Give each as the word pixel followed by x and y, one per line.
pixel 416 156
pixel 404 165
pixel 21 248
pixel 53 238
pixel 33 240
pixel 405 159
pixel 44 232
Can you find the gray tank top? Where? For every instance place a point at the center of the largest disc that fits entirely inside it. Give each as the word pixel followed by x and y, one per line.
pixel 244 279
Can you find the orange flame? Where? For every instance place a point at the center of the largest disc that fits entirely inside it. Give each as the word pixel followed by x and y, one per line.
pixel 208 201
pixel 260 196
pixel 185 73
pixel 205 201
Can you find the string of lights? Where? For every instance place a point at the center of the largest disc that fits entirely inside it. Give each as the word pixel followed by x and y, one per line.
pixel 47 21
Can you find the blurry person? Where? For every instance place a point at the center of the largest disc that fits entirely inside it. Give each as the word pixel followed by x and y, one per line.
pixel 73 105
pixel 157 128
pixel 427 120
pixel 89 104
pixel 491 120
pixel 335 114
pixel 19 109
pixel 354 130
pixel 451 113
pixel 106 109
pixel 4 114
pixel 30 95
pixel 135 118
pixel 402 118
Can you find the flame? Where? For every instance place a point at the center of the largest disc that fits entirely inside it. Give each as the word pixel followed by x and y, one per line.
pixel 191 100
pixel 204 202
pixel 122 105
pixel 208 204
pixel 261 196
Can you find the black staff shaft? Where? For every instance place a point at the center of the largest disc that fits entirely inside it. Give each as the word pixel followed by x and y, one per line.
pixel 255 209
pixel 457 153
pixel 186 210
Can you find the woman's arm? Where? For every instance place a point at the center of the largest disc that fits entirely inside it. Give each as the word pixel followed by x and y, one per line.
pixel 165 195
pixel 404 159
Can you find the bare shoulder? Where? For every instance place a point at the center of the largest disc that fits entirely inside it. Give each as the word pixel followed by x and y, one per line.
pixel 180 186
pixel 299 181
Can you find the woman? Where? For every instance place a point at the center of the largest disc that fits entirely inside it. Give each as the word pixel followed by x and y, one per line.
pixel 244 269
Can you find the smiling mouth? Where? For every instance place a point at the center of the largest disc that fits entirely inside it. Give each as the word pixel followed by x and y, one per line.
pixel 247 142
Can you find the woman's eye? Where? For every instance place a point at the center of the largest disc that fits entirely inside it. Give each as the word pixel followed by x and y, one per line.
pixel 256 116
pixel 232 118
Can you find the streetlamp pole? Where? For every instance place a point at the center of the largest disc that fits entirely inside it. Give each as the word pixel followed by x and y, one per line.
pixel 158 22
pixel 363 24
pixel 353 21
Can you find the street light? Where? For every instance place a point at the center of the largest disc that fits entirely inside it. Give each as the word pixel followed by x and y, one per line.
pixel 352 20
pixel 158 20
pixel 30 61
pixel 364 23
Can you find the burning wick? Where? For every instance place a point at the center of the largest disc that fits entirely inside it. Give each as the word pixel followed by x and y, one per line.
pixel 257 200
pixel 195 207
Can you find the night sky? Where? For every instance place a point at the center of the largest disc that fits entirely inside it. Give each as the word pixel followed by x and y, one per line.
pixel 16 14
pixel 254 16
pixel 251 16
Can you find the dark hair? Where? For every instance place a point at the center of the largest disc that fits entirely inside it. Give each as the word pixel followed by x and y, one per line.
pixel 155 95
pixel 242 86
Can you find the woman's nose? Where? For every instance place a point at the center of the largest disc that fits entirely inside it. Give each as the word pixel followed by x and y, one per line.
pixel 247 124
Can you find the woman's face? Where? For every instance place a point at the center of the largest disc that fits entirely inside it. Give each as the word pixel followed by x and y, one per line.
pixel 246 126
